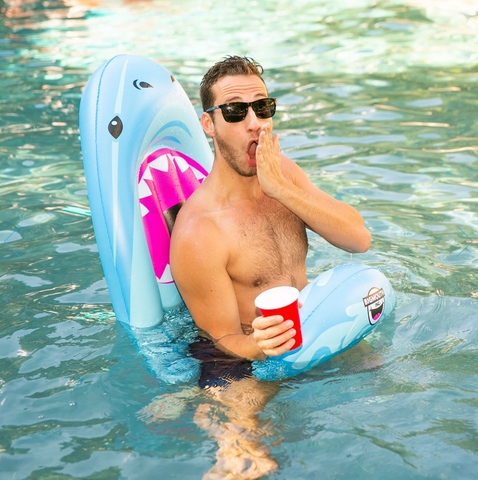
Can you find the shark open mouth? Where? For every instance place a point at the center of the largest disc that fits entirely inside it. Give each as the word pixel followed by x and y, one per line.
pixel 166 180
pixel 376 313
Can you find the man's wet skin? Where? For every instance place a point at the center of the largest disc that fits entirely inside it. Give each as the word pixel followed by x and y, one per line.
pixel 266 246
pixel 266 243
pixel 243 230
pixel 230 415
pixel 240 233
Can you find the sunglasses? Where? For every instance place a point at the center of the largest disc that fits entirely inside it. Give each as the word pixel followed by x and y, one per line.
pixel 236 111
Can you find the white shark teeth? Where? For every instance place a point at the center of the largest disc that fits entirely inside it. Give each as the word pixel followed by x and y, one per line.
pixel 161 163
pixel 144 210
pixel 197 173
pixel 166 277
pixel 143 189
pixel 147 174
pixel 181 163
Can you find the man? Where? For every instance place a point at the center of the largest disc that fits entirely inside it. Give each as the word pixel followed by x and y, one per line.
pixel 243 229
pixel 240 233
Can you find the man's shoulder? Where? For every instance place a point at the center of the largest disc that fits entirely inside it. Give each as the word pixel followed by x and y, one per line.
pixel 195 221
pixel 195 237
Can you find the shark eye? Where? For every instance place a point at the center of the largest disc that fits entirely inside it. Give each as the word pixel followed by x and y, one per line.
pixel 115 127
pixel 141 85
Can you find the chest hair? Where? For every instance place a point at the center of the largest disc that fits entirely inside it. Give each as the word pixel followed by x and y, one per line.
pixel 272 244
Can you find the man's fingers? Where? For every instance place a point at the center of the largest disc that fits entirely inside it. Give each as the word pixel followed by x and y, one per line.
pixel 262 140
pixel 265 136
pixel 280 350
pixel 271 144
pixel 275 141
pixel 261 323
pixel 278 340
pixel 273 335
pixel 259 155
pixel 276 330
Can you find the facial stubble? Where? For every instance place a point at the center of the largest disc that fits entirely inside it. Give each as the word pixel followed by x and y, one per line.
pixel 233 157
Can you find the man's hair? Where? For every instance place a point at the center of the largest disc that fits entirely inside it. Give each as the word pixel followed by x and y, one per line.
pixel 231 65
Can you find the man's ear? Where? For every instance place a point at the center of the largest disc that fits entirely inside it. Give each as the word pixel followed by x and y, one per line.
pixel 207 124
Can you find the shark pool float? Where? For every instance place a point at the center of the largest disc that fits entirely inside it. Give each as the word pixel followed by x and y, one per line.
pixel 144 154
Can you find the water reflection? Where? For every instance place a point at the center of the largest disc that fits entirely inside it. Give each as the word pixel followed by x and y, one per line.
pixel 231 416
pixel 376 103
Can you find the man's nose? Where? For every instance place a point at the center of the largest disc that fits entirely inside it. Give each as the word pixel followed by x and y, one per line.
pixel 252 121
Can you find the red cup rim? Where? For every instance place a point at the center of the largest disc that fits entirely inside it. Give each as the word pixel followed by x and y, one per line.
pixel 277 297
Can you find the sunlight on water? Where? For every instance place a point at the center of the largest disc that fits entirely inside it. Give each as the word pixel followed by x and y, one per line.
pixel 377 103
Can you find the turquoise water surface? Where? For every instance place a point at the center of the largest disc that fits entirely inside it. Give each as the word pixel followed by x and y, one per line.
pixel 377 102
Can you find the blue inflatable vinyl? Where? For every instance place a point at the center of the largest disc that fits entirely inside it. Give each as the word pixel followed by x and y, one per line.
pixel 144 153
pixel 339 308
pixel 132 108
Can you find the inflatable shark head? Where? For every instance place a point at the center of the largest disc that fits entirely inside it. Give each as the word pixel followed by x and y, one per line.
pixel 131 108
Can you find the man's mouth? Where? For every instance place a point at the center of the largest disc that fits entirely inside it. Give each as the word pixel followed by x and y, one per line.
pixel 251 153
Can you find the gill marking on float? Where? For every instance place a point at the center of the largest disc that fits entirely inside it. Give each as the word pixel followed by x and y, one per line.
pixel 469 243
pixel 5 241
pixel 114 159
pixel 114 179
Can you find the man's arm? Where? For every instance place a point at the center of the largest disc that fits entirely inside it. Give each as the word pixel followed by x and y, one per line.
pixel 280 178
pixel 198 264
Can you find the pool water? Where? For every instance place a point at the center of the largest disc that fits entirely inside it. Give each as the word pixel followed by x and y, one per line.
pixel 377 102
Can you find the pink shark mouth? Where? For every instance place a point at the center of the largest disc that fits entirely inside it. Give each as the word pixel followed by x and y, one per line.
pixel 166 180
pixel 376 313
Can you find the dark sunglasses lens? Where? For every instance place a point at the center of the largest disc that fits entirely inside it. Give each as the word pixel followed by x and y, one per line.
pixel 265 108
pixel 234 112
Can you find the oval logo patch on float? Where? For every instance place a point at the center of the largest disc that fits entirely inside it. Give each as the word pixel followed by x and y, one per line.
pixel 374 303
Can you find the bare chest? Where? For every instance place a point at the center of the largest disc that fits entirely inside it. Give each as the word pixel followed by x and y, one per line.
pixel 268 247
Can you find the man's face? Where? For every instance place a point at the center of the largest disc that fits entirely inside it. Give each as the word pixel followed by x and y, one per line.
pixel 237 142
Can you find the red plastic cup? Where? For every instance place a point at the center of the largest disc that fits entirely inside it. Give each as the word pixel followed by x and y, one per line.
pixel 282 301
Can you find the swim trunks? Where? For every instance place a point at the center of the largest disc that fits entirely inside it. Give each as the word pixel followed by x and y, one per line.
pixel 218 369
